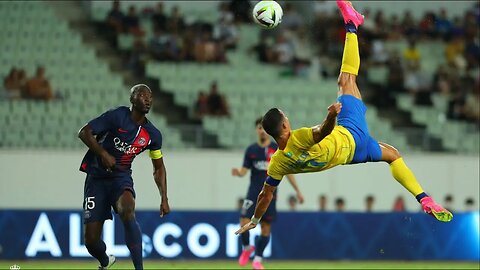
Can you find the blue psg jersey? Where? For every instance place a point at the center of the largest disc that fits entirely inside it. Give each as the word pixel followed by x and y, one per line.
pixel 122 138
pixel 257 159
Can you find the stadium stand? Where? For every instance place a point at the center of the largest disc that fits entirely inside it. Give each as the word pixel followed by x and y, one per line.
pixel 34 36
pixel 247 84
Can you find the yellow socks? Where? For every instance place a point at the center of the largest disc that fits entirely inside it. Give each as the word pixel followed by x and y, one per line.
pixel 351 55
pixel 405 177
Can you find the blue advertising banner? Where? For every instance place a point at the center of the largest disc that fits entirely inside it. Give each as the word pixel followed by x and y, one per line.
pixel 210 235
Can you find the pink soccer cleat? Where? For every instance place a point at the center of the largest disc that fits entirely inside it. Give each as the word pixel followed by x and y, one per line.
pixel 257 265
pixel 349 13
pixel 245 256
pixel 429 206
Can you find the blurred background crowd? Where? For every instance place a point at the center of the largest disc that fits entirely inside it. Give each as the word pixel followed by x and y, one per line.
pixel 212 71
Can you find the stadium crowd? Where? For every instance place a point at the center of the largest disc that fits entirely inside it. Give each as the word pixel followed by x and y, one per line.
pixel 17 86
pixel 173 39
pixel 298 42
pixel 457 80
pixel 213 104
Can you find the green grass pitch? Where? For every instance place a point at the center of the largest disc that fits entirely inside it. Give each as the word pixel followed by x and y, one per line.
pixel 149 264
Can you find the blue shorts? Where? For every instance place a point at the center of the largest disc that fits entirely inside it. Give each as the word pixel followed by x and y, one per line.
pixel 101 195
pixel 352 117
pixel 249 204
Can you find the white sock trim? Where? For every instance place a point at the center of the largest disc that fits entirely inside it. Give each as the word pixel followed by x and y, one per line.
pixel 257 259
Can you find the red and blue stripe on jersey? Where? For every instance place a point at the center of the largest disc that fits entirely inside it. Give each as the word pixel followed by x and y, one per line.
pixel 123 139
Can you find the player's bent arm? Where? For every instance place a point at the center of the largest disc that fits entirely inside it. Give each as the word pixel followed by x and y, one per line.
pixel 323 130
pixel 86 135
pixel 160 177
pixel 240 172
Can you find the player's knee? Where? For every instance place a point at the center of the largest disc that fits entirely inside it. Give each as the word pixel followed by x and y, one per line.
pixel 390 153
pixel 127 212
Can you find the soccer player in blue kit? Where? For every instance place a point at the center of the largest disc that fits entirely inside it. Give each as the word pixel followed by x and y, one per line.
pixel 257 157
pixel 114 139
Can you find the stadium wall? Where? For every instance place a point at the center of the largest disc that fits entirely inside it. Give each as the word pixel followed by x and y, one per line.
pixel 201 180
pixel 210 235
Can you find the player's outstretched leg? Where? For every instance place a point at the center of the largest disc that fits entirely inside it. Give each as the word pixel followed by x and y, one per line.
pixel 407 179
pixel 133 235
pixel 95 245
pixel 247 248
pixel 351 56
pixel 261 244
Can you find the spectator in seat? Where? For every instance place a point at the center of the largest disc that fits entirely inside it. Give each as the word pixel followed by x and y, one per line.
pixel 322 203
pixel 38 87
pixel 188 46
pixel 454 51
pixel 291 18
pixel 176 21
pixel 456 105
pixel 159 44
pixel 369 201
pixel 292 203
pixel 283 50
pixel 131 22
pixel 262 50
pixel 448 204
pixel 411 55
pixel 115 18
pixel 243 10
pixel 225 30
pixel 472 101
pixel 443 25
pixel 469 205
pixel 302 51
pixel 159 19
pixel 206 50
pixel 201 105
pixel 215 101
pixel 408 25
pixel 399 205
pixel 14 83
pixel 339 204
pixel 427 25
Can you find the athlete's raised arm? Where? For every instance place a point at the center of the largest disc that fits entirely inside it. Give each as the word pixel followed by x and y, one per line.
pixel 86 135
pixel 160 177
pixel 264 199
pixel 323 130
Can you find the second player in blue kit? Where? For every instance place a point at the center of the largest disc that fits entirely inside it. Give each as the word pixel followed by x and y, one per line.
pixel 114 139
pixel 256 159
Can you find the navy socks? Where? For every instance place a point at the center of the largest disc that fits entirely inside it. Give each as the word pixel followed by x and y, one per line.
pixel 261 244
pixel 350 27
pixel 133 239
pixel 98 252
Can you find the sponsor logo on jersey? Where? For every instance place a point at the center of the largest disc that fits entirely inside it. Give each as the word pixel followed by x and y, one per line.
pixel 125 147
pixel 261 165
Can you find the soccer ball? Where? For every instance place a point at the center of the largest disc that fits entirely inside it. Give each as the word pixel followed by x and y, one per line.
pixel 267 13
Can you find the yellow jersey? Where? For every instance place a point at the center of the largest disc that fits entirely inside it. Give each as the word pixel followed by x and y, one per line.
pixel 303 155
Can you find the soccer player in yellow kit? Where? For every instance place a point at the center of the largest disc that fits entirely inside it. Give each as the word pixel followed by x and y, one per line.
pixel 342 138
